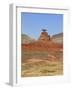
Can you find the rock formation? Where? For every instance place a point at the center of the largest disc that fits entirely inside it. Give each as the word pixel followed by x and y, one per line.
pixel 44 43
pixel 44 36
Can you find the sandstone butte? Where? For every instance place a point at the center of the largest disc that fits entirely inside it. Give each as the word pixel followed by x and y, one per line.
pixel 44 43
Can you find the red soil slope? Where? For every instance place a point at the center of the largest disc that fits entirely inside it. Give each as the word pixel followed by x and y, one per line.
pixel 42 46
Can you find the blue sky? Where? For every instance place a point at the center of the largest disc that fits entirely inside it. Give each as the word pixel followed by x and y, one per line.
pixel 33 23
